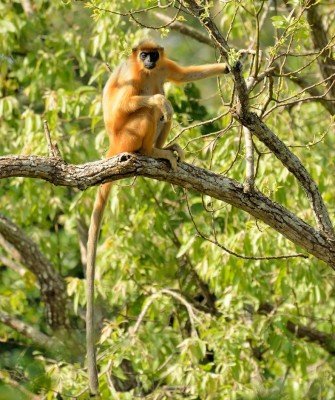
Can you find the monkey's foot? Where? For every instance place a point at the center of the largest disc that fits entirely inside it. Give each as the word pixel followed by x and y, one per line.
pixel 177 149
pixel 165 155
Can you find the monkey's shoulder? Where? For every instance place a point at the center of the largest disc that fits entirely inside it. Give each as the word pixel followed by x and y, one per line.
pixel 123 70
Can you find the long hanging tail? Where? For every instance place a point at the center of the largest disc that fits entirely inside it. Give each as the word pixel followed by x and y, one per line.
pixel 93 234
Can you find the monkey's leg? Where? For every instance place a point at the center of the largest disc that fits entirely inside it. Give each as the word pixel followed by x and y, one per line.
pixel 164 129
pixel 150 124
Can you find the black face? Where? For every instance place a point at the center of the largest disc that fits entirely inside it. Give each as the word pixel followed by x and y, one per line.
pixel 149 58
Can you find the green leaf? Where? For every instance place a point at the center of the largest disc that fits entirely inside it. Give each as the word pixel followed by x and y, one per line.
pixel 185 247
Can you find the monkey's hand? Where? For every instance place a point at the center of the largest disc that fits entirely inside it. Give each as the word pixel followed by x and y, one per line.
pixel 176 148
pixel 225 68
pixel 165 106
pixel 237 67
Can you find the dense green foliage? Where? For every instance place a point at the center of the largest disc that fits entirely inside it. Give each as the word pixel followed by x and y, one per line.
pixel 214 326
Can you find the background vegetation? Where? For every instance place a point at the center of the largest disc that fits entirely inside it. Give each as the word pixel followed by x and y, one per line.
pixel 186 307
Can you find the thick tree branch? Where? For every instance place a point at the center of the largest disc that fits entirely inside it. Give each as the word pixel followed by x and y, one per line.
pixel 188 176
pixel 51 285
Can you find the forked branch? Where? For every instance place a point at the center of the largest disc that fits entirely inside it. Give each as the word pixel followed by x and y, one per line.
pixel 258 128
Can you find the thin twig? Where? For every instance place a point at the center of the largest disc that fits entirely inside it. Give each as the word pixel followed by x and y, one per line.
pixel 201 235
pixel 53 148
pixel 196 125
pixel 171 293
pixel 108 67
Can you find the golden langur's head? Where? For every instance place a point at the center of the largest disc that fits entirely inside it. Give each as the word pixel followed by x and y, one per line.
pixel 148 53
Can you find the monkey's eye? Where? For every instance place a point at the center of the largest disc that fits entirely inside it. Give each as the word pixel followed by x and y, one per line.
pixel 154 56
pixel 143 55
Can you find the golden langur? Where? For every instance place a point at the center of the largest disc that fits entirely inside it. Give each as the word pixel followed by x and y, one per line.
pixel 137 117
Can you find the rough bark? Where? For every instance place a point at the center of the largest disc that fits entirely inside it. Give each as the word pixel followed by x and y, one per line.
pixel 188 176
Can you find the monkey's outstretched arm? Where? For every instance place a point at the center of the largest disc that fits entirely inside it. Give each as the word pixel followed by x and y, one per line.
pixel 176 73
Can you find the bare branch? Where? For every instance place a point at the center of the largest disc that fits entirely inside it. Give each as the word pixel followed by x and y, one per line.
pixel 193 33
pixel 298 98
pixel 193 318
pixel 294 165
pixel 232 253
